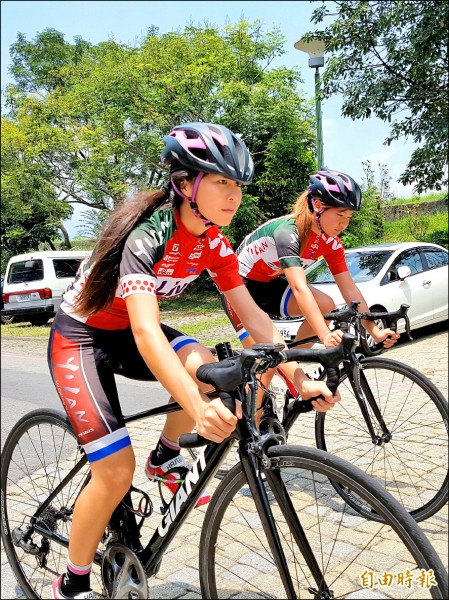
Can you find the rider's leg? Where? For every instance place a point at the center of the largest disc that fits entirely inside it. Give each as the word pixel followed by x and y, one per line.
pixel 83 375
pixel 166 455
pixel 192 356
pixel 325 304
pixel 97 502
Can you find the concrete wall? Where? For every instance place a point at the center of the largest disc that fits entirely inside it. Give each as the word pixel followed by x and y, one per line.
pixel 400 211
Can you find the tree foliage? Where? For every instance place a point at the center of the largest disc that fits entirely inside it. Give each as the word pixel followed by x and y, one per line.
pixel 388 58
pixel 96 114
pixel 368 225
pixel 31 213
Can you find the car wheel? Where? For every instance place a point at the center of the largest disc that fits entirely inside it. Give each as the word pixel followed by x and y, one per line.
pixel 39 320
pixel 367 344
pixel 7 319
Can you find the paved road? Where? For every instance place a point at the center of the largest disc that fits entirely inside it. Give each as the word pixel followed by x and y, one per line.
pixel 178 577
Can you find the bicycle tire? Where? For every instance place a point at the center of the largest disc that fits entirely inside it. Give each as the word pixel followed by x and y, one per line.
pixel 235 559
pixel 413 465
pixel 38 453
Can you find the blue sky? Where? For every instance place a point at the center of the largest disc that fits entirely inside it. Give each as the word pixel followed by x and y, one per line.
pixel 346 143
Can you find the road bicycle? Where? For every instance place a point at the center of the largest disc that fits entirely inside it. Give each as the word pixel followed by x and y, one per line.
pixel 392 421
pixel 274 527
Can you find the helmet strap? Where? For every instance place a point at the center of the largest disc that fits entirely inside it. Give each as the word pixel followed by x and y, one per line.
pixel 191 200
pixel 318 212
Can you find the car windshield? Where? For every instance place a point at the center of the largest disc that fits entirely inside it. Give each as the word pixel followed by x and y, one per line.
pixel 362 266
pixel 26 271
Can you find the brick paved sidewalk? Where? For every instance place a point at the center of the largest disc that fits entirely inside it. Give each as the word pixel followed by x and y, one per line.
pixel 178 576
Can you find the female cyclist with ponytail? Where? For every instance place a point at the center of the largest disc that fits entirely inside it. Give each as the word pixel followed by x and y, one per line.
pixel 109 322
pixel 272 260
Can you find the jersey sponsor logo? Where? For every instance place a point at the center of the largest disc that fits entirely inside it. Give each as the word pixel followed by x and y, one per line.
pixel 65 390
pixel 86 432
pixel 167 258
pixel 334 241
pixel 173 287
pixel 214 243
pixel 257 248
pixel 195 255
pixel 165 272
pixel 224 249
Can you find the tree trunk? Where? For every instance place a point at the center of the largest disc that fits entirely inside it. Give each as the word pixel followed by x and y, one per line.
pixel 67 245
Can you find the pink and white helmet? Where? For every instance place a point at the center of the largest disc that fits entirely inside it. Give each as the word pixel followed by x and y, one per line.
pixel 209 148
pixel 335 189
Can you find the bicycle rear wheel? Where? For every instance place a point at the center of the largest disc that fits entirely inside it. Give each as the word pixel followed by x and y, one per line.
pixel 348 556
pixel 413 464
pixel 40 451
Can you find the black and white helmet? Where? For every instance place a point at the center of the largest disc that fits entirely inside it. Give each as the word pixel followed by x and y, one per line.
pixel 209 148
pixel 335 189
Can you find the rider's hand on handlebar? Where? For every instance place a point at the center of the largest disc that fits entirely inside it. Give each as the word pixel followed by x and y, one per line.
pixel 387 336
pixel 333 338
pixel 311 389
pixel 214 421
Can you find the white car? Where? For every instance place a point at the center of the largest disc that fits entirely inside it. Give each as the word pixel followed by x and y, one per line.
pixel 35 282
pixel 388 275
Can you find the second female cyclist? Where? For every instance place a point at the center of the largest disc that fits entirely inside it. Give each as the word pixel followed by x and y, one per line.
pixel 273 257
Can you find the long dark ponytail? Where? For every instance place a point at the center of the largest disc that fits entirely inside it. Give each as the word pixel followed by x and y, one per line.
pixel 99 290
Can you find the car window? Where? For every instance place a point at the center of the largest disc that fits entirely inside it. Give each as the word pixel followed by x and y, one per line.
pixel 319 273
pixel 411 259
pixel 362 266
pixel 26 271
pixel 66 267
pixel 435 258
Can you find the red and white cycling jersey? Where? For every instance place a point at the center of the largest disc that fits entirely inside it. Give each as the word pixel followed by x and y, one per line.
pixel 161 257
pixel 275 245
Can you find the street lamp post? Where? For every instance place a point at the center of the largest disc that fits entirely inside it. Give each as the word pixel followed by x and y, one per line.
pixel 315 49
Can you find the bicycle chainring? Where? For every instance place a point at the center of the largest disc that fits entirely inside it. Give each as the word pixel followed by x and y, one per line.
pixel 123 574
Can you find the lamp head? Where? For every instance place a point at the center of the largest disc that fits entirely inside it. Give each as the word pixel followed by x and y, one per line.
pixel 315 49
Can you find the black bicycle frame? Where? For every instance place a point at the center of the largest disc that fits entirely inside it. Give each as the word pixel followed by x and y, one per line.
pixel 123 521
pixel 190 490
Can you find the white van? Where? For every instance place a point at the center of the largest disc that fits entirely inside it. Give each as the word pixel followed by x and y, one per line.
pixel 34 284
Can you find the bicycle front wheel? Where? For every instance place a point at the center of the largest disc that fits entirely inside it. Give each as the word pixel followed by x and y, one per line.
pixel 330 550
pixel 412 460
pixel 40 451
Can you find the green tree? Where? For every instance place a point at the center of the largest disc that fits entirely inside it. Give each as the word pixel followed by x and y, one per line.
pixel 96 113
pixel 367 225
pixel 31 212
pixel 388 58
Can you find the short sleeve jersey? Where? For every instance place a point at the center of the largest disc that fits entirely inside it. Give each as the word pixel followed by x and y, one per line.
pixel 275 245
pixel 161 257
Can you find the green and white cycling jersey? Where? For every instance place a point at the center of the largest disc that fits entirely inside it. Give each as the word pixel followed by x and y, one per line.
pixel 275 245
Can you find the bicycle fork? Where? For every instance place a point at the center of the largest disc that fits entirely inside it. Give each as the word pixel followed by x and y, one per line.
pixel 357 378
pixel 250 464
